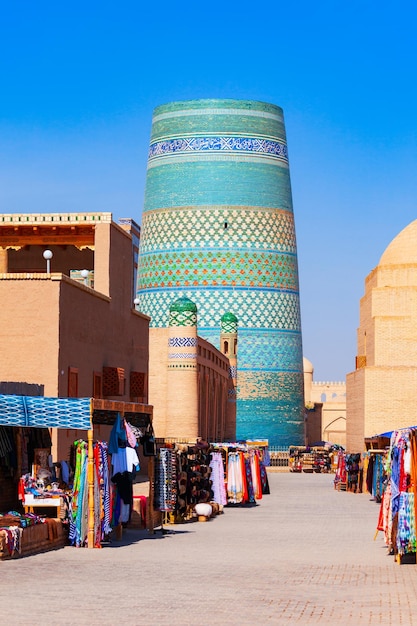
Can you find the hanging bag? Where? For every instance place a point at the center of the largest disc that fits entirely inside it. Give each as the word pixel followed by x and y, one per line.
pixel 148 442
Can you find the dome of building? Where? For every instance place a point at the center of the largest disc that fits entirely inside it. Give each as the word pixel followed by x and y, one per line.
pixel 403 248
pixel 229 323
pixel 183 312
pixel 307 366
pixel 183 304
pixel 229 317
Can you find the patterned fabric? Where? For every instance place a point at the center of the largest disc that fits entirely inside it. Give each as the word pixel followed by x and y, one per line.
pixel 399 501
pixel 105 490
pixel 79 486
pixel 13 538
pixel 264 479
pixel 217 476
pixel 387 515
pixel 78 518
pixel 130 435
pixel 234 478
pixel 249 480
pixel 406 534
pixel 256 474
pixel 395 472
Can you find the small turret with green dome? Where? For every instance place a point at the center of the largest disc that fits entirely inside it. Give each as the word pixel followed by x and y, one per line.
pixel 229 323
pixel 183 312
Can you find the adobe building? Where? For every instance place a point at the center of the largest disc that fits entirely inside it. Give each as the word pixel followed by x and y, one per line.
pixel 70 328
pixel 381 392
pixel 68 324
pixel 325 403
pixel 192 384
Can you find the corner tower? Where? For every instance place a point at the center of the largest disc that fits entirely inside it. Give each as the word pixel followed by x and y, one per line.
pixel 228 345
pixel 218 227
pixel 182 417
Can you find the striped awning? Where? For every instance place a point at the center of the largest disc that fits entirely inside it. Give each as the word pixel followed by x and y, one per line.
pixel 40 412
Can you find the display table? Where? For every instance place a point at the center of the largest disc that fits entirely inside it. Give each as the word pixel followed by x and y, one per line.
pixel 34 539
pixel 30 503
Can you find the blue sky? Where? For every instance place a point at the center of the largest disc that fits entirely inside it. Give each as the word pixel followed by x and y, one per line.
pixel 79 82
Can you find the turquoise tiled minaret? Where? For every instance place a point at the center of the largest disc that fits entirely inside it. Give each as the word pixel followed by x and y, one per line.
pixel 218 228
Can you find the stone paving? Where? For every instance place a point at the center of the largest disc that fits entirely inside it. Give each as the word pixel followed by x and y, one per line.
pixel 305 555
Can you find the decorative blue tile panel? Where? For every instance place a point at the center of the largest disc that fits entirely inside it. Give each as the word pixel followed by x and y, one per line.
pixel 249 145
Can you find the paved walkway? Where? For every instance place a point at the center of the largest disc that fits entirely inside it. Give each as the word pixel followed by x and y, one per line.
pixel 305 555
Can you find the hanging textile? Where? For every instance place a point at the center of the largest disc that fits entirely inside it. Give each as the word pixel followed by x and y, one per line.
pixel 256 474
pixel 340 476
pixel 398 501
pixel 406 533
pixel 264 479
pixel 248 493
pixel 217 477
pixel 102 522
pixel 234 478
pixel 125 464
pixel 79 510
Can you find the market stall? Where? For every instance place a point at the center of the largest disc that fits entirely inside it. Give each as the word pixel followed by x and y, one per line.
pixel 31 532
pixel 397 516
pixel 26 412
pixel 189 474
pixel 314 458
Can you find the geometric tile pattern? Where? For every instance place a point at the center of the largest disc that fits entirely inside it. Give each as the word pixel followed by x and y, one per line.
pixel 221 267
pixel 239 268
pixel 183 342
pixel 261 308
pixel 179 145
pixel 199 227
pixel 182 355
pixel 179 356
pixel 182 318
pixel 228 327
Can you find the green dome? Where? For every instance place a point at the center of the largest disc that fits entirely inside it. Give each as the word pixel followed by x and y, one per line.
pixel 183 312
pixel 229 317
pixel 183 304
pixel 229 323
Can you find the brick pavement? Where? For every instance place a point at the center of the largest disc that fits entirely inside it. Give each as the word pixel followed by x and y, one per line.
pixel 305 555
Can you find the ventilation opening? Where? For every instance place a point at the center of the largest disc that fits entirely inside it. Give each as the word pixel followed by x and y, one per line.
pixel 226 225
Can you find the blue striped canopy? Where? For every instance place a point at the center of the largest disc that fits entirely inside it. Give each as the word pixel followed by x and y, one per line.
pixel 41 412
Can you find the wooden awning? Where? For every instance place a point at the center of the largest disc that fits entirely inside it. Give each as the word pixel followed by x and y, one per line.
pixel 104 412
